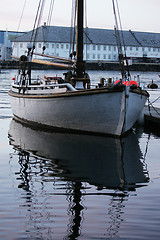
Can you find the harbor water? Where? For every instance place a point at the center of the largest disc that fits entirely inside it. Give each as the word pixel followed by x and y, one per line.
pixel 66 186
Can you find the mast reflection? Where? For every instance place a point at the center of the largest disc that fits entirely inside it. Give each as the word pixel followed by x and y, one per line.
pixel 106 163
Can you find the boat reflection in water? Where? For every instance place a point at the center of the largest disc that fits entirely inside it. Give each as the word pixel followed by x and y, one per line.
pixel 107 163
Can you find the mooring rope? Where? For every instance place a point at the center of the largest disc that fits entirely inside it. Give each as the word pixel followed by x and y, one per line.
pixel 156 100
pixel 150 104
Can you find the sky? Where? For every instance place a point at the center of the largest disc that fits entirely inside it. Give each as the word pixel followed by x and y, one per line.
pixel 137 15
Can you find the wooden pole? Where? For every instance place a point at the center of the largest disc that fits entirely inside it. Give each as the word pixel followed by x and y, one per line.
pixel 79 40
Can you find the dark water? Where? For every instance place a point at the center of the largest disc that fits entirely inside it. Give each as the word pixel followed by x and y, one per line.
pixel 68 186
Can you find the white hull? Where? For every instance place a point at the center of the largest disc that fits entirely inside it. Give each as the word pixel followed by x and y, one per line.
pixel 134 107
pixel 97 111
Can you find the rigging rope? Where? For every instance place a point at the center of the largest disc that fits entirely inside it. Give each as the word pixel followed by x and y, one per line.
pixel 123 38
pixel 86 26
pixel 34 36
pixel 120 40
pixel 117 27
pixel 46 28
pixel 20 21
pixel 37 21
pixel 50 12
pixel 71 32
pixel 21 15
pixel 73 29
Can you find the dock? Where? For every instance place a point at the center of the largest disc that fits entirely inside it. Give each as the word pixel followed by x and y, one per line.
pixel 151 117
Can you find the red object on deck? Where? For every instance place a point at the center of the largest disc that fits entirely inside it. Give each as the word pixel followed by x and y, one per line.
pixel 132 82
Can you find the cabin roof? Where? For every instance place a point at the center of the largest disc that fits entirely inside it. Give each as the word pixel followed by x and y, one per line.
pixel 92 36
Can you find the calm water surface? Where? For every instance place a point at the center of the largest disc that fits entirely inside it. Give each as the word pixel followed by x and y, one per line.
pixel 68 186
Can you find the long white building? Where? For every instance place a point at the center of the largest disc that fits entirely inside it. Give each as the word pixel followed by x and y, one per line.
pixel 99 44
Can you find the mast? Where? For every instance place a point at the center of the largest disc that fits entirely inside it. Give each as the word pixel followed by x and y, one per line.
pixel 79 40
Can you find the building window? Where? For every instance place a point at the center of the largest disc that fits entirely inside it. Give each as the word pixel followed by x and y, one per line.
pixel 94 56
pixel 39 45
pixel 104 56
pixel 88 47
pixel 52 45
pixel 153 41
pixel 99 48
pixel 98 56
pixel 143 49
pixel 94 47
pixel 109 48
pixel 57 45
pixel 104 48
pixel 149 49
pixel 47 45
pixel 114 49
pixel 62 46
pixel 154 49
pixel 21 45
pixel 131 48
pixel 109 56
pixel 67 46
pixel 87 56
pixel 137 48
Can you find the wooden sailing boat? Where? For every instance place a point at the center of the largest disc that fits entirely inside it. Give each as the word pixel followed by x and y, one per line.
pixel 72 105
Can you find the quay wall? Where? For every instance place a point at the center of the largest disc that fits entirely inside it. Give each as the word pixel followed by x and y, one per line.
pixel 107 66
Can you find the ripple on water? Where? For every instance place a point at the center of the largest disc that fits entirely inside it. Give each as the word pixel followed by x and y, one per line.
pixel 41 199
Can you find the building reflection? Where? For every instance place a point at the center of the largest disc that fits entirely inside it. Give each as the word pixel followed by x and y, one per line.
pixel 114 166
